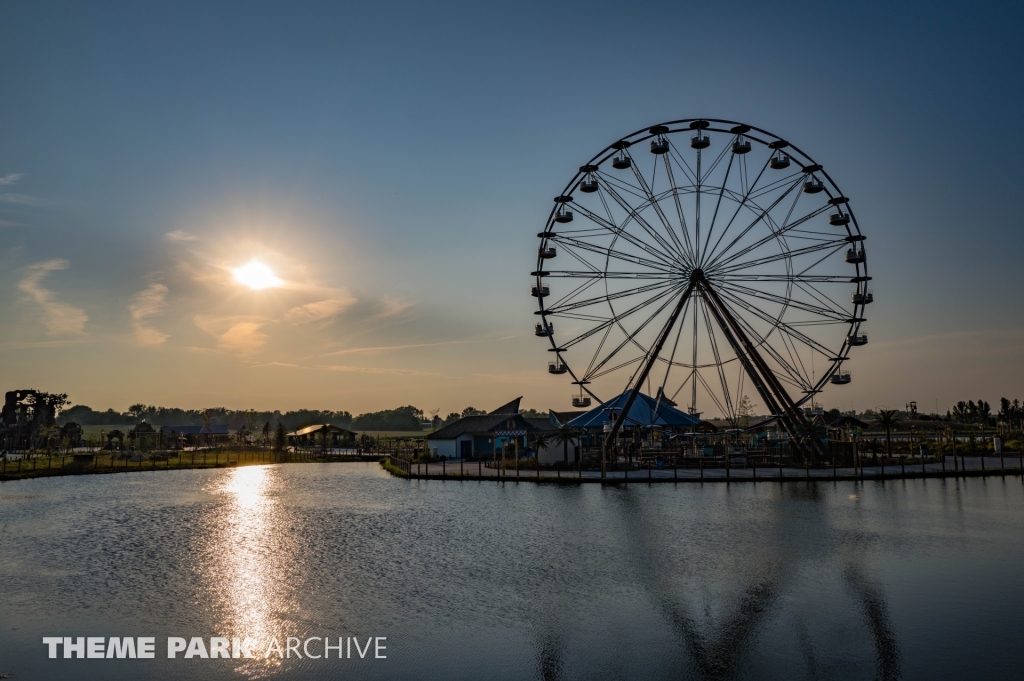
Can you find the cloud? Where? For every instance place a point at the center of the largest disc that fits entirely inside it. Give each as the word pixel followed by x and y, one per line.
pixel 391 348
pixel 244 338
pixel 148 303
pixel 179 236
pixel 235 334
pixel 60 319
pixel 11 178
pixel 379 370
pixel 391 307
pixel 318 311
pixel 21 199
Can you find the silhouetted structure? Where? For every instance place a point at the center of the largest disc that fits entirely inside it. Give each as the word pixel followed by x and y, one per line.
pixel 28 419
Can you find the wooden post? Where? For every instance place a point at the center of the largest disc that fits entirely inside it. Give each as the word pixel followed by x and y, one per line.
pixel 442 469
pixel 701 461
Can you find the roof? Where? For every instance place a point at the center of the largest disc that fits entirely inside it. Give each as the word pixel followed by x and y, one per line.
pixel 510 408
pixel 565 416
pixel 489 423
pixel 542 424
pixel 843 421
pixel 309 430
pixel 645 411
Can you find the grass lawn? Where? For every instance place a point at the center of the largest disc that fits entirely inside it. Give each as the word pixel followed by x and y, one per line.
pixel 405 434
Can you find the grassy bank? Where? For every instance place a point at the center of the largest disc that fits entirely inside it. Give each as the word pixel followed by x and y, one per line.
pixel 386 464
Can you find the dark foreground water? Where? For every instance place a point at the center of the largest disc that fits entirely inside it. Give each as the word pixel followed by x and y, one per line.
pixel 919 579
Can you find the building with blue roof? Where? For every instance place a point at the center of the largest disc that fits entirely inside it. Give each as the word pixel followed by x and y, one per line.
pixel 646 412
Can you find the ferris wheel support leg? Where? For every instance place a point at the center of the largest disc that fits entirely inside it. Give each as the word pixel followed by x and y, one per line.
pixel 784 407
pixel 652 356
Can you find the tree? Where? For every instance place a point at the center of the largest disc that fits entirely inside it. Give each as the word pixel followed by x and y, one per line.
pixel 888 418
pixel 280 438
pixel 137 410
pixel 984 412
pixel 539 441
pixel 744 410
pixel 563 436
pixel 266 432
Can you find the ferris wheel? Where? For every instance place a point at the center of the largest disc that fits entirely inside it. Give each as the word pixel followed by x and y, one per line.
pixel 712 265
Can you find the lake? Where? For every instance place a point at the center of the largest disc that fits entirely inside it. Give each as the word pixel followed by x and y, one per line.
pixel 902 579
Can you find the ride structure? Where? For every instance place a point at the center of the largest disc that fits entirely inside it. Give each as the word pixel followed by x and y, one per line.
pixel 702 257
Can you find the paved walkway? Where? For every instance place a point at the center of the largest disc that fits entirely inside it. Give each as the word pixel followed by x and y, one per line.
pixel 990 465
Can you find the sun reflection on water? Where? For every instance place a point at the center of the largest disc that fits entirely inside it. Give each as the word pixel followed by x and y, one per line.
pixel 245 562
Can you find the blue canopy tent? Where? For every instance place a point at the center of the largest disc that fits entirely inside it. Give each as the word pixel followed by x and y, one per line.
pixel 645 412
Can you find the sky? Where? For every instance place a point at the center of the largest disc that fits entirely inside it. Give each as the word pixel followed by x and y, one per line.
pixel 392 163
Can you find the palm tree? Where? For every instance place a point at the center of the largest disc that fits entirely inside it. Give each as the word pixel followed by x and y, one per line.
pixel 563 436
pixel 888 418
pixel 539 441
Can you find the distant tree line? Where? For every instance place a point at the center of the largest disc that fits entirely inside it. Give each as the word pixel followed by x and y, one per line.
pixel 406 418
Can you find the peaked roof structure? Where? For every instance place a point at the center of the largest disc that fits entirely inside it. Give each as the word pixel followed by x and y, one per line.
pixel 309 430
pixel 510 408
pixel 495 420
pixel 646 411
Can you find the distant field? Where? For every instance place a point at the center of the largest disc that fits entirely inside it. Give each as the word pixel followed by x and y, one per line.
pixel 414 434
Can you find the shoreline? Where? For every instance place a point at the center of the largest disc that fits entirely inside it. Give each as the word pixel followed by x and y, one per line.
pixel 710 475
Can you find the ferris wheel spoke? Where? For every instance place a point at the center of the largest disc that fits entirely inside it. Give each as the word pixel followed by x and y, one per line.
pixel 613 369
pixel 557 309
pixel 790 373
pixel 633 213
pixel 569 274
pixel 777 184
pixel 718 159
pixel 819 278
pixel 775 234
pixel 656 206
pixel 739 207
pixel 776 323
pixel 709 264
pixel 818 295
pixel 680 215
pixel 607 322
pixel 718 202
pixel 568 298
pixel 675 347
pixel 720 366
pixel 785 301
pixel 688 172
pixel 830 246
pixel 611 253
pixel 631 337
pixel 610 226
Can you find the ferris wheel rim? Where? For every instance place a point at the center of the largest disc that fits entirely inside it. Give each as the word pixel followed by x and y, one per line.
pixel 764 137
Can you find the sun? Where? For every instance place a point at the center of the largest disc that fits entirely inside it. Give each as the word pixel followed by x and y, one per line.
pixel 256 275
